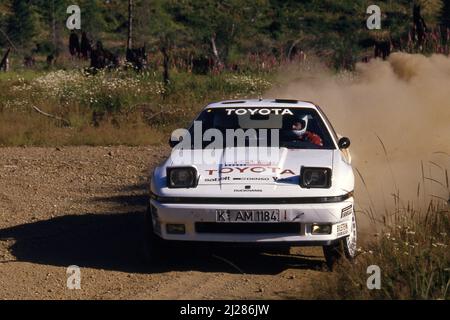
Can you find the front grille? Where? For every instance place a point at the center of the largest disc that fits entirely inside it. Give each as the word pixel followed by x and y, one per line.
pixel 246 228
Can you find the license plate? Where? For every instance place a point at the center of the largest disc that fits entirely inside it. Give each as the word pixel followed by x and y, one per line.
pixel 248 215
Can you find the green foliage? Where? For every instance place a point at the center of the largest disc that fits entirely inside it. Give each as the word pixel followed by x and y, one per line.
pixel 94 14
pixel 21 24
pixel 155 21
pixel 431 10
pixel 334 29
pixel 445 14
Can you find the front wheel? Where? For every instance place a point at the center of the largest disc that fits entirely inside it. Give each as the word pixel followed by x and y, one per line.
pixel 343 249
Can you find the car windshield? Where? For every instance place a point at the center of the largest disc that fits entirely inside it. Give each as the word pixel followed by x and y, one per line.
pixel 294 128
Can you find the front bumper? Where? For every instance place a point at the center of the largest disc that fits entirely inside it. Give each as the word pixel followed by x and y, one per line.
pixel 195 217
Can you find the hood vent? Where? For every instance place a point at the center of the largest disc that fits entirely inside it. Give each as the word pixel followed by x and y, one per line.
pixel 286 101
pixel 233 102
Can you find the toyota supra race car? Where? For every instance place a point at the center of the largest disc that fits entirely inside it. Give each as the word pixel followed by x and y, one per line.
pixel 255 172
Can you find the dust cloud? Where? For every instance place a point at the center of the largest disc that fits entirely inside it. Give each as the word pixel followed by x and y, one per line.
pixel 397 115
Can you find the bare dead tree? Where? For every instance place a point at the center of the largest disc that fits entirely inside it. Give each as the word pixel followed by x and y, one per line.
pixel 292 48
pixel 54 40
pixel 420 28
pixel 130 25
pixel 4 61
pixel 9 40
pixel 166 62
pixel 217 60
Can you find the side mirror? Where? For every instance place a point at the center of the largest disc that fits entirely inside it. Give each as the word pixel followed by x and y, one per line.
pixel 173 143
pixel 344 143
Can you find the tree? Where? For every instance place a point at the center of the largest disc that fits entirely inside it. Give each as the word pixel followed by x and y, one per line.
pixel 215 24
pixel 4 14
pixel 155 21
pixel 53 15
pixel 93 16
pixel 431 9
pixel 130 25
pixel 21 25
pixel 445 14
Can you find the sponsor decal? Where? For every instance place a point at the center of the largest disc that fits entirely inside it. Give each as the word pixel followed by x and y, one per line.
pixel 228 170
pixel 217 179
pixel 261 111
pixel 247 164
pixel 347 211
pixel 247 190
pixel 278 179
pixel 251 179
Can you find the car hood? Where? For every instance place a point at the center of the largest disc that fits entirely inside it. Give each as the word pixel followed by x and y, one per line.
pixel 276 178
pixel 236 165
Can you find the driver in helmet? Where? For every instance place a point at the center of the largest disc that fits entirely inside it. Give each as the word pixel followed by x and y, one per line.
pixel 298 131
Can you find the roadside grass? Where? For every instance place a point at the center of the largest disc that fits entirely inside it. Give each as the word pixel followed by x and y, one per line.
pixel 34 130
pixel 412 251
pixel 110 107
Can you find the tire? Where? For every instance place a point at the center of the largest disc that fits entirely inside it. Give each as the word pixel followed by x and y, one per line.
pixel 344 249
pixel 154 246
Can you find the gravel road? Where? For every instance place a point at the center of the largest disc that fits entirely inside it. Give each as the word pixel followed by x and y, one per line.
pixel 84 206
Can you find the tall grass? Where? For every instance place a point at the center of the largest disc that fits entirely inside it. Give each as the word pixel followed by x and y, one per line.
pixel 412 251
pixel 110 107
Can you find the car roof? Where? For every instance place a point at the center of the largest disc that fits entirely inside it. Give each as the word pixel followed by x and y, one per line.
pixel 262 103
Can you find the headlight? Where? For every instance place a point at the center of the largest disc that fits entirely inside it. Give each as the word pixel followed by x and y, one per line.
pixel 321 229
pixel 315 177
pixel 181 177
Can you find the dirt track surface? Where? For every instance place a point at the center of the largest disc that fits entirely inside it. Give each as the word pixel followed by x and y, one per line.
pixel 84 206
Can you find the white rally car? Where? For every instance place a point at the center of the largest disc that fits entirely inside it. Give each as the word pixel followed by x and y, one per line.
pixel 259 172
